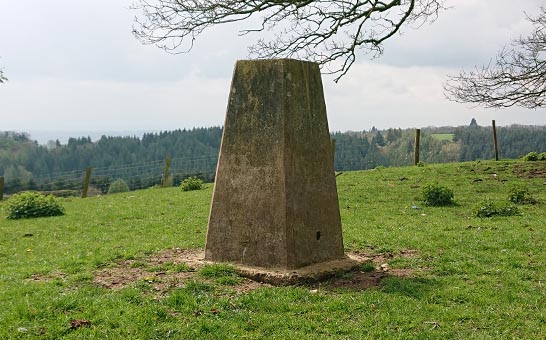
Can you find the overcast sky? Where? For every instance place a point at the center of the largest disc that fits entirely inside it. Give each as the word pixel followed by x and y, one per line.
pixel 75 66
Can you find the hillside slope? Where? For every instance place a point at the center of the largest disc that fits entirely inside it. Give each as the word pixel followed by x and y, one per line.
pixel 438 272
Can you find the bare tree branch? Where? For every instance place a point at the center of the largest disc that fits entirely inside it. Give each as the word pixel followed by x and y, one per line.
pixel 516 78
pixel 330 33
pixel 3 79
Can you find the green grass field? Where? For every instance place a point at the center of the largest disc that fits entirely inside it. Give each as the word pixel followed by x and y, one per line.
pixel 444 136
pixel 466 278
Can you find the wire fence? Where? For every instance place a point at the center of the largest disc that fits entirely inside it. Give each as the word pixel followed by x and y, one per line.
pixel 137 176
pixel 141 175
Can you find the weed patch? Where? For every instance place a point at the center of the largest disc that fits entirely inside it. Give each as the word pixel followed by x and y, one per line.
pixel 489 208
pixel 437 195
pixel 519 194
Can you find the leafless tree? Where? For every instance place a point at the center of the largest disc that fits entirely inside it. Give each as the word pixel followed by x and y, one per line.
pixel 516 78
pixel 330 33
pixel 2 78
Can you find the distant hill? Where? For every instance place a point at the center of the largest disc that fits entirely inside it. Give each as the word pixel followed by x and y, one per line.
pixel 24 163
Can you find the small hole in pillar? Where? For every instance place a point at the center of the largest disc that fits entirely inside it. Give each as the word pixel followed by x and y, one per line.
pixel 318 235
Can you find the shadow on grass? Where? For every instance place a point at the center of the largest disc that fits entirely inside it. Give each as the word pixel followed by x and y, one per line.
pixel 413 287
pixel 396 281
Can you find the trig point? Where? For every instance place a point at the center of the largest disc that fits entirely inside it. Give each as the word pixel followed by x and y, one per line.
pixel 275 202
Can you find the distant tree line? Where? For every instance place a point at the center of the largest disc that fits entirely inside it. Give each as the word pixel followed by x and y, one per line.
pixel 395 147
pixel 25 164
pixel 476 142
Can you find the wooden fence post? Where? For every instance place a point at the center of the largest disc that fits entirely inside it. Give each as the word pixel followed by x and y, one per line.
pixel 166 172
pixel 1 188
pixel 417 142
pixel 495 141
pixel 86 182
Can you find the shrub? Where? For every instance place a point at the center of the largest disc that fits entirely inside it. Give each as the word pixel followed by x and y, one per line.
pixel 191 183
pixel 489 208
pixel 118 185
pixel 33 204
pixel 542 156
pixel 520 195
pixel 437 195
pixel 530 157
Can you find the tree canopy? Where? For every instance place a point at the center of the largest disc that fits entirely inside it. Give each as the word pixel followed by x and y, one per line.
pixel 330 33
pixel 517 77
pixel 26 165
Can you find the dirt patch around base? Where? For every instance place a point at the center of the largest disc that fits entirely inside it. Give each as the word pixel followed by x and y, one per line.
pixel 359 279
pixel 55 275
pixel 530 170
pixel 163 270
pixel 173 268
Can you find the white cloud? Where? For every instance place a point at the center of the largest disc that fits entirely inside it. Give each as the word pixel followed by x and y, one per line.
pixel 470 32
pixel 393 96
pixel 371 95
pixel 50 104
pixel 74 65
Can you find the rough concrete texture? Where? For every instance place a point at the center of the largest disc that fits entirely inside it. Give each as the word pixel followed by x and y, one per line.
pixel 308 274
pixel 275 201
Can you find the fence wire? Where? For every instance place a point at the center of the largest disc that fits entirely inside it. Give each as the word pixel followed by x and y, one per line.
pixel 140 175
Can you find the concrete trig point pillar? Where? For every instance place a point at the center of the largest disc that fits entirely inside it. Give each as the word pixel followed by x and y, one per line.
pixel 275 202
